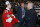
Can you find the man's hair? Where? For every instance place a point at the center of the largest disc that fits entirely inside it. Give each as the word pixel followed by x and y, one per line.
pixel 31 3
pixel 21 3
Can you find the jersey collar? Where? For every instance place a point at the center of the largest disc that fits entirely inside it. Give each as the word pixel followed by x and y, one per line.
pixel 8 9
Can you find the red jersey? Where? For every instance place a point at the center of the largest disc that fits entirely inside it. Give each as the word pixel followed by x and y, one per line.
pixel 8 18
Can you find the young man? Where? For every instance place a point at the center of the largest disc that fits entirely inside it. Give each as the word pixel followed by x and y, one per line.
pixel 8 17
pixel 21 15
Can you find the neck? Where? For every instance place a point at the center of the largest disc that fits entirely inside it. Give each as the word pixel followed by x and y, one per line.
pixel 28 9
pixel 22 7
pixel 7 8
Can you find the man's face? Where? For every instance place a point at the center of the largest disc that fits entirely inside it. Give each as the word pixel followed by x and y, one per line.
pixel 30 6
pixel 9 6
pixel 22 5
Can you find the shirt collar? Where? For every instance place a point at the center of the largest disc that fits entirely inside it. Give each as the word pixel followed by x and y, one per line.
pixel 8 9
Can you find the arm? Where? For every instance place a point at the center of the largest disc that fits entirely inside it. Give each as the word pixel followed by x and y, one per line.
pixel 19 14
pixel 15 19
pixel 6 16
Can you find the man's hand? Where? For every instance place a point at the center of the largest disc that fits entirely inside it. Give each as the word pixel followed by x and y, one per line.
pixel 18 21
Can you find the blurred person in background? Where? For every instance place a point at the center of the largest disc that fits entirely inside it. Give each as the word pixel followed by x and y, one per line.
pixel 8 18
pixel 30 16
pixel 21 15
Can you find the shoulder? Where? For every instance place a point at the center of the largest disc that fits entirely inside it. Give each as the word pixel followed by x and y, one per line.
pixel 5 11
pixel 33 11
pixel 19 8
pixel 25 8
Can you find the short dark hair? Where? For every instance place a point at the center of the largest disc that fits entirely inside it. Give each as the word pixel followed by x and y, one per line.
pixel 21 3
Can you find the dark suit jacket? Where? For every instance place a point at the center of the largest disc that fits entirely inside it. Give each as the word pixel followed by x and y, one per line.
pixel 31 15
pixel 19 13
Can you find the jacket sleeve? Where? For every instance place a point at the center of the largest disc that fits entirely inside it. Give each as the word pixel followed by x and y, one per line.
pixel 4 17
pixel 19 14
pixel 15 19
pixel 35 15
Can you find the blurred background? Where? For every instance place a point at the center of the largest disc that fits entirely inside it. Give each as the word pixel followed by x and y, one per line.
pixel 16 4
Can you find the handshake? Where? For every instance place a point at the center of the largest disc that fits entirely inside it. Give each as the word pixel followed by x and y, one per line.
pixel 18 21
pixel 10 19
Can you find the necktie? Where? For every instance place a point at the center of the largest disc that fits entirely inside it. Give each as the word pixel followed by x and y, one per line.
pixel 23 12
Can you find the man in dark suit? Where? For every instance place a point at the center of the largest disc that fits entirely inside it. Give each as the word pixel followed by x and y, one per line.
pixel 21 15
pixel 31 16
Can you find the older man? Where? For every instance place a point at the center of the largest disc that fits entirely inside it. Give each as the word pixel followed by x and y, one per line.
pixel 31 16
